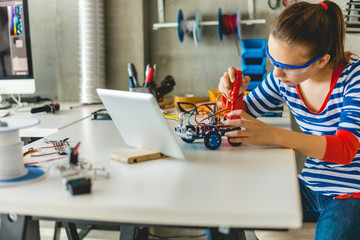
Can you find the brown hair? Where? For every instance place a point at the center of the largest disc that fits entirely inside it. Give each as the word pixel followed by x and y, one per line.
pixel 319 29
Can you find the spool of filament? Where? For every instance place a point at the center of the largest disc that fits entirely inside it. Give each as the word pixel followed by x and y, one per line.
pixel 11 158
pixel 191 27
pixel 198 26
pixel 229 24
pixel 92 49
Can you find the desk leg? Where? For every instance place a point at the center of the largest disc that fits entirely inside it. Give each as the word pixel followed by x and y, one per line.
pixel 131 232
pixel 71 231
pixel 19 227
pixel 233 234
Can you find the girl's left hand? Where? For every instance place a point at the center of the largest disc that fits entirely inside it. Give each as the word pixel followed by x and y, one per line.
pixel 253 131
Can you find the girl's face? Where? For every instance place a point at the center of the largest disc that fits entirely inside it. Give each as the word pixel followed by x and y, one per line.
pixel 291 64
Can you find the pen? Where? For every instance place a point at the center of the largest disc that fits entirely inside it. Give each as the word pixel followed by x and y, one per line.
pixel 154 72
pixel 131 82
pixel 147 69
pixel 132 73
pixel 149 77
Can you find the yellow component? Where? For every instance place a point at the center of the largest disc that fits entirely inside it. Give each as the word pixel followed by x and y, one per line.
pixel 175 116
pixel 30 151
pixel 213 94
pixel 186 98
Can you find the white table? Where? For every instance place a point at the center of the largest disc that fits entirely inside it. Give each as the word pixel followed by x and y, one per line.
pixel 243 187
pixel 50 123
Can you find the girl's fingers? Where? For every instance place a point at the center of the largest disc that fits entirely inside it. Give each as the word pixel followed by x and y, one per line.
pixel 231 71
pixel 240 113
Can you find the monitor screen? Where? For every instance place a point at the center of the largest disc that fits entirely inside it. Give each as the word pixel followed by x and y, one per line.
pixel 16 72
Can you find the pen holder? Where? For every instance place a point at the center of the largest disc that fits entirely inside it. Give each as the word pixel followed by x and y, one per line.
pixel 139 89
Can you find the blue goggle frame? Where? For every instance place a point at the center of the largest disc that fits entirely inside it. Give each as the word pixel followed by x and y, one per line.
pixel 281 65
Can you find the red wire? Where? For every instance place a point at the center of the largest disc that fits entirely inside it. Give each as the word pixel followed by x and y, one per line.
pixel 45 154
pixel 49 160
pixel 230 24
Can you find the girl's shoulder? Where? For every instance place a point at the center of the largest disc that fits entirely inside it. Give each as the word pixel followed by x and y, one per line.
pixel 350 76
pixel 352 69
pixel 353 64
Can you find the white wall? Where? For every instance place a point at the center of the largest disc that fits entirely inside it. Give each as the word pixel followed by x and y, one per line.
pixel 130 38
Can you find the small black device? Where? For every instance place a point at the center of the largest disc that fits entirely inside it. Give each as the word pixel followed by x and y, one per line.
pixel 101 114
pixel 79 185
pixel 166 86
pixel 52 107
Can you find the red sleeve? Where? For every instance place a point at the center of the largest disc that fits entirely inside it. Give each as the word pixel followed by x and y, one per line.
pixel 341 148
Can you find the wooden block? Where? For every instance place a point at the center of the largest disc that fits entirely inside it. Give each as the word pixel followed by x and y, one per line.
pixel 136 155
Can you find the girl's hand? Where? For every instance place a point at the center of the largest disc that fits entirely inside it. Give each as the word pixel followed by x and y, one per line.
pixel 253 131
pixel 225 84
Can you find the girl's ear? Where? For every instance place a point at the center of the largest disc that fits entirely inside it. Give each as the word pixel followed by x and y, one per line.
pixel 324 60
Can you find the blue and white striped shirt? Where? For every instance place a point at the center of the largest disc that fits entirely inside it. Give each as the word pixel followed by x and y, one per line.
pixel 342 111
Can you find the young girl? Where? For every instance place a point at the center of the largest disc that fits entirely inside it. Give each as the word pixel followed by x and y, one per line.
pixel 320 83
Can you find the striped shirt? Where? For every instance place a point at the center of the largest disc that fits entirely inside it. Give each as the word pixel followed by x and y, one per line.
pixel 341 111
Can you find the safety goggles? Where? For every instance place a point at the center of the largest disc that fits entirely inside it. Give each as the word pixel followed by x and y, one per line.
pixel 290 69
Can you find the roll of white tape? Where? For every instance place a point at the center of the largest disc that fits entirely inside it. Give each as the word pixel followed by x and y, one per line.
pixel 189 98
pixel 9 138
pixel 11 162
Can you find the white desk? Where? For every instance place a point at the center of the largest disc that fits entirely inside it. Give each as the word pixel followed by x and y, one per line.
pixel 51 123
pixel 243 187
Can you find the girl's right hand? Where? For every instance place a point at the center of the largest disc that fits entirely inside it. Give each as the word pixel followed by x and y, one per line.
pixel 225 84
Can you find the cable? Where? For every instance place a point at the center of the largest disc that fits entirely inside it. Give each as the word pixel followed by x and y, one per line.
pixel 17 101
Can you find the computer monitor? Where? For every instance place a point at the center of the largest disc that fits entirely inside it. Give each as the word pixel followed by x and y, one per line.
pixel 16 72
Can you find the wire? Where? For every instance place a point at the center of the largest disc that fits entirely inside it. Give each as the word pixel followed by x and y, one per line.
pixel 17 101
pixel 275 5
pixel 48 160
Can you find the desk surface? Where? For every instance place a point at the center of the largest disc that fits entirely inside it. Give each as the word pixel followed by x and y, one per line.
pixel 51 123
pixel 246 186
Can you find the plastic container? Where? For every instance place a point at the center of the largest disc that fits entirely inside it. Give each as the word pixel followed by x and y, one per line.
pixel 253 48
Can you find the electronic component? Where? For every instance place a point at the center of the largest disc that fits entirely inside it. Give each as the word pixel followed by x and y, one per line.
pixel 77 175
pixel 74 155
pixel 76 180
pixel 211 132
pixel 78 186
